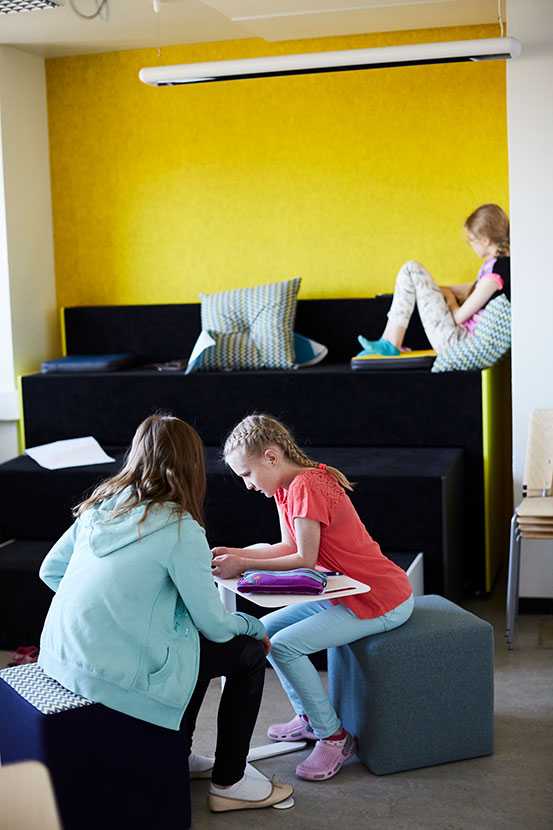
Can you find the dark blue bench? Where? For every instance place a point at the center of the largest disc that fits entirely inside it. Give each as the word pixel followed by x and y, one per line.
pixel 108 769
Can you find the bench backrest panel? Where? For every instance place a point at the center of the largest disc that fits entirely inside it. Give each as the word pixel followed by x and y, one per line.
pixel 166 332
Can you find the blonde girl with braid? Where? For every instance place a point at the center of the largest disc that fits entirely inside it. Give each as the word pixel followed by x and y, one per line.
pixel 451 313
pixel 319 528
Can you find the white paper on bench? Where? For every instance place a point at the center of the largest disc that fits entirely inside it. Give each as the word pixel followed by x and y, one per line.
pixel 74 452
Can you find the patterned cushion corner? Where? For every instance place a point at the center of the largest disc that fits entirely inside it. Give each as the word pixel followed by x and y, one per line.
pixel 230 351
pixel 40 690
pixel 490 341
pixel 252 327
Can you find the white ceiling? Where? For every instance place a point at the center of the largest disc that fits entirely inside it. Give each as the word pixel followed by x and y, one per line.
pixel 133 24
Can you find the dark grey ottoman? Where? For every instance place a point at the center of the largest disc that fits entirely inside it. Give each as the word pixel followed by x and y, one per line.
pixel 421 694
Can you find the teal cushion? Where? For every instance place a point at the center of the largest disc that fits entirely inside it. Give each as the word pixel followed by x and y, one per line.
pixel 308 352
pixel 251 328
pixel 490 341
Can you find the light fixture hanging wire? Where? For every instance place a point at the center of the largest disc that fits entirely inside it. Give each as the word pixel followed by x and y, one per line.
pixel 102 9
pixel 500 17
pixel 157 10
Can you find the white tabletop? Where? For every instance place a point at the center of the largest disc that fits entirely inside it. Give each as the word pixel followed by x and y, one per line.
pixel 337 586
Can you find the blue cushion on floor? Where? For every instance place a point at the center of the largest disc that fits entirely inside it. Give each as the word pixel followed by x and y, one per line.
pixel 421 694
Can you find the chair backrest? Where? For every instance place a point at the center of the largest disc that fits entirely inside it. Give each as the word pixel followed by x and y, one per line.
pixel 538 468
pixel 27 798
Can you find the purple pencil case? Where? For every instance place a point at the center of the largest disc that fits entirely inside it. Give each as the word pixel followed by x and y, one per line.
pixel 297 581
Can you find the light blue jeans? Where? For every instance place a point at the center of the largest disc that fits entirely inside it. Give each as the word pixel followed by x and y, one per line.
pixel 299 630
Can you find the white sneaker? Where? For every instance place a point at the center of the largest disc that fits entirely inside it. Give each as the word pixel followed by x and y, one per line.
pixel 200 766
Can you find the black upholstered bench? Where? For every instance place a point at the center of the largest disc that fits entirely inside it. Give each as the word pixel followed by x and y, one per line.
pixel 24 598
pixel 328 406
pixel 410 500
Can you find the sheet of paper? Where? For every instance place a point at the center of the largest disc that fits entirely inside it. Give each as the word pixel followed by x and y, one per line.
pixel 75 452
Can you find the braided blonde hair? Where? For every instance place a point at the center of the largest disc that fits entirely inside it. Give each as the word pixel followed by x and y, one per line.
pixel 255 433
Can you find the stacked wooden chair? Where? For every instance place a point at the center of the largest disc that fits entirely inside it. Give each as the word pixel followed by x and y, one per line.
pixel 533 518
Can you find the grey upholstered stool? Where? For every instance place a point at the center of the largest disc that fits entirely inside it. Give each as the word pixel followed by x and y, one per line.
pixel 421 694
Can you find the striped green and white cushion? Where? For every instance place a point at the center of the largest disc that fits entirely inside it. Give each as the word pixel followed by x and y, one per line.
pixel 253 328
pixel 490 341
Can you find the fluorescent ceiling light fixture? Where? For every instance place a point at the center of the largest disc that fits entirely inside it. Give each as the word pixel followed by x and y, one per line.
pixel 14 6
pixel 454 51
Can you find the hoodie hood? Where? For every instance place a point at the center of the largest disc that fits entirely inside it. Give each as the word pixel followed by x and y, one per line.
pixel 108 534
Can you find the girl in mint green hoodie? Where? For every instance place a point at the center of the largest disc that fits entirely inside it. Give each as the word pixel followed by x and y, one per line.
pixel 136 622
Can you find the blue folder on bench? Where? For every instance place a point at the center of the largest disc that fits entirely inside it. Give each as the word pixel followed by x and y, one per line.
pixel 90 363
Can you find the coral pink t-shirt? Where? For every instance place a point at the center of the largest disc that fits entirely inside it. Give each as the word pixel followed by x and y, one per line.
pixel 345 544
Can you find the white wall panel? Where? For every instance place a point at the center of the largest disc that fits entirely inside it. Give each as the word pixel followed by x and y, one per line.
pixel 530 123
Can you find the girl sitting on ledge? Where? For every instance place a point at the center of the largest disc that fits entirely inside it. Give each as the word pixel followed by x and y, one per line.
pixel 449 314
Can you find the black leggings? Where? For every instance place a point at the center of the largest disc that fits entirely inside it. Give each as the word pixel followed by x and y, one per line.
pixel 242 661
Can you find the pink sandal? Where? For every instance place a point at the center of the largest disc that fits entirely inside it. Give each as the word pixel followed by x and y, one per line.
pixel 327 759
pixel 296 729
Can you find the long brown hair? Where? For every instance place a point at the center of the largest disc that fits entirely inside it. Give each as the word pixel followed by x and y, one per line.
pixel 165 464
pixel 490 222
pixel 255 433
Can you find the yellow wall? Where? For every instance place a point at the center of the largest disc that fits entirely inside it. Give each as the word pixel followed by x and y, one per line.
pixel 338 178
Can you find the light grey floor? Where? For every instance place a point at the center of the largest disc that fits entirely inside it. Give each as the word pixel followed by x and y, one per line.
pixel 510 790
